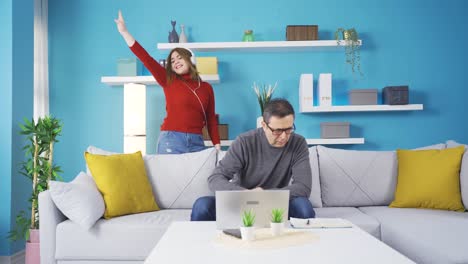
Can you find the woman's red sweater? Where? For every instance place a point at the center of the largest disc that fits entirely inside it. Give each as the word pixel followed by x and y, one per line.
pixel 184 111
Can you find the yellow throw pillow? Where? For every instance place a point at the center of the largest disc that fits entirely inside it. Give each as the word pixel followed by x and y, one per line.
pixel 123 183
pixel 429 179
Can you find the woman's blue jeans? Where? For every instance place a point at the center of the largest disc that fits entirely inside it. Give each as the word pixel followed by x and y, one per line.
pixel 173 142
pixel 204 208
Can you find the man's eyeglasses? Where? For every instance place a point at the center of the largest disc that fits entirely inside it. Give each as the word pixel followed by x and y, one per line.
pixel 279 131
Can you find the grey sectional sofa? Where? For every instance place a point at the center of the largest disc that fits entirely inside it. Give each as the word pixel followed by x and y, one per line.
pixel 355 185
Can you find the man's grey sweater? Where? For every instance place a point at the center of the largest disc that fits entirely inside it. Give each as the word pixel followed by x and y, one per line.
pixel 252 162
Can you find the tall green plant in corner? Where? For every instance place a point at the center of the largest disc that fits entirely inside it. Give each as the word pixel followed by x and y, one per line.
pixel 39 168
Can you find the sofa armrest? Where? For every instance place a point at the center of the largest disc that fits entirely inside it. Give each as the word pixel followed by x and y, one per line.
pixel 50 217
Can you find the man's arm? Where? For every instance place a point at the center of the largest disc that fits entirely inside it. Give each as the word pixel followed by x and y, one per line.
pixel 232 164
pixel 301 173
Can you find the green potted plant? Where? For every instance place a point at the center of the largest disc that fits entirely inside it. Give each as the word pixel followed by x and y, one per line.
pixel 264 93
pixel 277 225
pixel 40 169
pixel 352 47
pixel 248 221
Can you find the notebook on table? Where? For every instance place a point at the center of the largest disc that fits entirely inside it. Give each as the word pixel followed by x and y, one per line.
pixel 320 223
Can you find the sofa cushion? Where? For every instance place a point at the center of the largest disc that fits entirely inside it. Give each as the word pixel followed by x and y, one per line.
pixel 179 179
pixel 358 178
pixel 363 221
pixel 463 171
pixel 424 235
pixel 315 194
pixel 123 183
pixel 79 200
pixel 99 151
pixel 429 179
pixel 130 237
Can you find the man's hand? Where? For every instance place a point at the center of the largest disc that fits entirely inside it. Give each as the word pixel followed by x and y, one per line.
pixel 257 189
pixel 217 147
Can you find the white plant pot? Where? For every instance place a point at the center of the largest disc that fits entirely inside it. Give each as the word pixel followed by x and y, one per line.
pixel 247 233
pixel 277 229
pixel 259 121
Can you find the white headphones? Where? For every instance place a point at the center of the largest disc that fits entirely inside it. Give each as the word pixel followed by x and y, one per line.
pixel 192 56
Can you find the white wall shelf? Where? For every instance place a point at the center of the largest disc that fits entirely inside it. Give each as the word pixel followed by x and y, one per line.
pixel 310 141
pixel 256 45
pixel 362 108
pixel 147 80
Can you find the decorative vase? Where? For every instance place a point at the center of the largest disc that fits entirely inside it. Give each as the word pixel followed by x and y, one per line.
pixel 259 121
pixel 182 37
pixel 277 228
pixel 173 37
pixel 247 233
pixel 32 255
pixel 248 35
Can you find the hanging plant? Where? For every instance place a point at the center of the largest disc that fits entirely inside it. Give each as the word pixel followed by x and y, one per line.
pixel 352 47
pixel 38 167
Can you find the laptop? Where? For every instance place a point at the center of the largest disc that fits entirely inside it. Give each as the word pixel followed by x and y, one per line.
pixel 230 206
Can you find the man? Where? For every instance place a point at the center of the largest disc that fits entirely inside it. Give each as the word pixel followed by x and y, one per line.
pixel 270 157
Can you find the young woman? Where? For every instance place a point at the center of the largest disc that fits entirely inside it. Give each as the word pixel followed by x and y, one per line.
pixel 189 100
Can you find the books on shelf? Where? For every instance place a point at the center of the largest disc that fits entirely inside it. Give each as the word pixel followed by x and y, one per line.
pixel 320 223
pixel 325 89
pixel 306 92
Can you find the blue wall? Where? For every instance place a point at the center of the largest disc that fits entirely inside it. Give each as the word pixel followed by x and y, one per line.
pixel 16 102
pixel 5 123
pixel 418 43
pixel 23 94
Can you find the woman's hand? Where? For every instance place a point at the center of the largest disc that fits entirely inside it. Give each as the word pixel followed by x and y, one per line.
pixel 217 147
pixel 122 28
pixel 121 23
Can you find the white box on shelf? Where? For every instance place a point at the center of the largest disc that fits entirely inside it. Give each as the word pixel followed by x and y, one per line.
pixel 306 92
pixel 325 89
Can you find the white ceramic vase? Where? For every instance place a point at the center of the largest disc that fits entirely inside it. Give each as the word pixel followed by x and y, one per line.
pixel 182 37
pixel 259 121
pixel 277 229
pixel 247 233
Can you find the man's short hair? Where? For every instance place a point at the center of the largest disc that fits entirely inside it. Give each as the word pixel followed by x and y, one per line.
pixel 278 107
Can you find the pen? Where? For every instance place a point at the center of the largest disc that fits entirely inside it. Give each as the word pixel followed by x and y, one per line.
pixel 308 221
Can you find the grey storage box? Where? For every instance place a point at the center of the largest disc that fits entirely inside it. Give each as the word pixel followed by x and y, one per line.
pixel 363 97
pixel 395 95
pixel 334 130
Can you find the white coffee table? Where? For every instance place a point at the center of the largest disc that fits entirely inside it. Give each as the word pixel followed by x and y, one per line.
pixel 194 242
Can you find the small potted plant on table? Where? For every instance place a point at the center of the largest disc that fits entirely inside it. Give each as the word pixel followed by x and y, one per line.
pixel 247 231
pixel 277 225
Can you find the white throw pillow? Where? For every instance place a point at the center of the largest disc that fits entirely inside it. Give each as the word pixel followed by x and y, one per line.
pixel 79 200
pixel 179 179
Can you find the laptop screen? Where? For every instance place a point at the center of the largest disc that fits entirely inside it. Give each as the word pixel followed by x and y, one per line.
pixel 230 205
